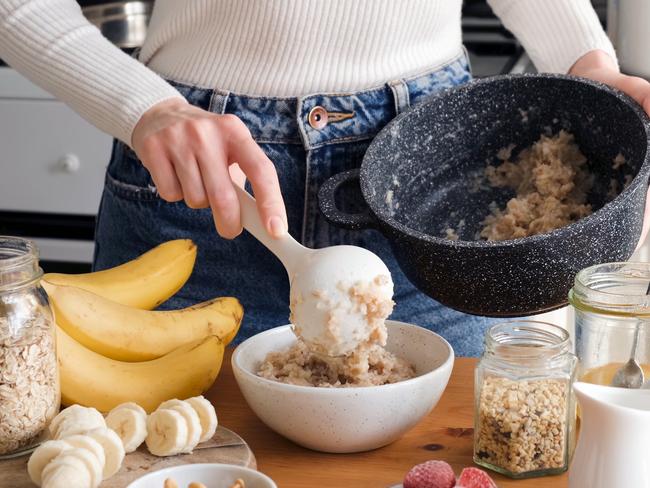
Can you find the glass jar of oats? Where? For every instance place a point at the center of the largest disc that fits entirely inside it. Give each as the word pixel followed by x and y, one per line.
pixel 524 409
pixel 29 381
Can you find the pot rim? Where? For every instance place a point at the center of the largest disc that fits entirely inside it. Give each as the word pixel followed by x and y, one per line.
pixel 398 227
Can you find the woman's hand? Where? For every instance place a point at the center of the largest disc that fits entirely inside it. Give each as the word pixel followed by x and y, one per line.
pixel 194 155
pixel 598 65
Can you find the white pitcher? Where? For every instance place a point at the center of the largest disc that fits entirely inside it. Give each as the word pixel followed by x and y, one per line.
pixel 613 449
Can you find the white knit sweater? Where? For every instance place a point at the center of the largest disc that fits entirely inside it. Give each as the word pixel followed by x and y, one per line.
pixel 267 47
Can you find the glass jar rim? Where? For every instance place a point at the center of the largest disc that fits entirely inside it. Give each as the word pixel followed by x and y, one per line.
pixel 527 339
pixel 18 254
pixel 590 288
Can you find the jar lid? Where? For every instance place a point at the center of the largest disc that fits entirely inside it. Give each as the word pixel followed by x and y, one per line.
pixel 613 288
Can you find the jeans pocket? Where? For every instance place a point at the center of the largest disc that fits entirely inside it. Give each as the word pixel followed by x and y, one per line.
pixel 126 177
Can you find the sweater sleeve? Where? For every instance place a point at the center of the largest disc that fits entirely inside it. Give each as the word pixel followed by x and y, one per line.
pixel 52 43
pixel 555 33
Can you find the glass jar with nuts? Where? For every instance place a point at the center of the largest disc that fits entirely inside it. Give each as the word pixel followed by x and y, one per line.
pixel 29 380
pixel 524 409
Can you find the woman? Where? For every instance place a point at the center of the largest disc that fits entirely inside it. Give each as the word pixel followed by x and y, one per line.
pixel 292 91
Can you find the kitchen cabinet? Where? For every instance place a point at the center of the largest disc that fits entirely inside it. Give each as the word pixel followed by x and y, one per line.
pixel 53 165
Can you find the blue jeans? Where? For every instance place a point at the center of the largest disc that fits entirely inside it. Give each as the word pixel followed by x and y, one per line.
pixel 133 218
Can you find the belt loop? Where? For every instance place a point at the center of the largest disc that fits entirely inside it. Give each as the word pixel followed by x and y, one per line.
pixel 218 101
pixel 400 95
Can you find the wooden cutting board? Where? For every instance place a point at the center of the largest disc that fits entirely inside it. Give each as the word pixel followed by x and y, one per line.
pixel 225 447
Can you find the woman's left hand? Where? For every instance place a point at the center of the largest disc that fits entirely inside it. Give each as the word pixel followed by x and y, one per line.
pixel 598 65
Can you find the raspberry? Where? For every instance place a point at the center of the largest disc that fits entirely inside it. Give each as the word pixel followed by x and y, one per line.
pixel 432 474
pixel 475 478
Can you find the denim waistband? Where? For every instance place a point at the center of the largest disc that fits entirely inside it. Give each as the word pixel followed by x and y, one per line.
pixel 350 116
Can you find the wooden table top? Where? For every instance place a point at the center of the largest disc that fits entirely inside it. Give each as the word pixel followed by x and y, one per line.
pixel 446 433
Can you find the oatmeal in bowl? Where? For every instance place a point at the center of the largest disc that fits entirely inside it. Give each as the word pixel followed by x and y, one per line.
pixel 335 406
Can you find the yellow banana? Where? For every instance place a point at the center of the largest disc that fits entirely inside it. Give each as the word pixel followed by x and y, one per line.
pixel 130 334
pixel 92 380
pixel 145 282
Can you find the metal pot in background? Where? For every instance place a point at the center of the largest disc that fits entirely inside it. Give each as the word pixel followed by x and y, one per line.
pixel 122 23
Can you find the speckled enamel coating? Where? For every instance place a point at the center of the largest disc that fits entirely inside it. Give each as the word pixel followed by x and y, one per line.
pixel 419 177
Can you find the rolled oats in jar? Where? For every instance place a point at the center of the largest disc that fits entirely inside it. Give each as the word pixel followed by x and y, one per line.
pixel 29 381
pixel 524 409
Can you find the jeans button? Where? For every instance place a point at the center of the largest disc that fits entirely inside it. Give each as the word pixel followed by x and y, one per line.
pixel 318 117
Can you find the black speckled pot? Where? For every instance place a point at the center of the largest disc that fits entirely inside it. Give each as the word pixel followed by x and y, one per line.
pixel 419 177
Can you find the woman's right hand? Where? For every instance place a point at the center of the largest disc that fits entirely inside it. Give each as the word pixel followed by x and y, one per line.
pixel 194 155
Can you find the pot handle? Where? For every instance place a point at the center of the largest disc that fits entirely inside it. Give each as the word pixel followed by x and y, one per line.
pixel 327 204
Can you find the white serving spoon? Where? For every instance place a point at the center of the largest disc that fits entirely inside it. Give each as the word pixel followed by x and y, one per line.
pixel 323 311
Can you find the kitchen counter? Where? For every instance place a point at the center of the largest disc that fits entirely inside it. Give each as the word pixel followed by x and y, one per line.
pixel 446 433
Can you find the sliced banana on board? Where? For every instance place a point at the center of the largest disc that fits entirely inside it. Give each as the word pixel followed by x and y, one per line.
pixel 113 449
pixel 192 419
pixel 81 414
pixel 132 406
pixel 167 433
pixel 66 471
pixel 84 441
pixel 130 424
pixel 75 421
pixel 42 456
pixel 207 416
pixel 92 464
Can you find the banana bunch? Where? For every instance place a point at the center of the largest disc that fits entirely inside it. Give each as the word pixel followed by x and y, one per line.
pixel 112 349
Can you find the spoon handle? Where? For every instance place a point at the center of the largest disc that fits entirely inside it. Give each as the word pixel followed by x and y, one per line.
pixel 289 251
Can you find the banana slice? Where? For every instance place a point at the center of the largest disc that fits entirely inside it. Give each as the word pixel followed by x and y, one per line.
pixel 113 449
pixel 130 425
pixel 83 441
pixel 78 421
pixel 66 471
pixel 92 464
pixel 42 456
pixel 132 406
pixel 207 416
pixel 192 419
pixel 166 433
pixel 71 411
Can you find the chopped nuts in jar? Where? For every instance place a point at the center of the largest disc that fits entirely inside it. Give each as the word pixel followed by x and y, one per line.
pixel 522 424
pixel 29 384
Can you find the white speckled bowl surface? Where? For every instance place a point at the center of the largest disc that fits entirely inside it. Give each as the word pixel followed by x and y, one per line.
pixel 346 420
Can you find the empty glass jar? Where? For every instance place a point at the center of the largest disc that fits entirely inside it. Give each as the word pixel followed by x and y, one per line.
pixel 29 381
pixel 524 408
pixel 612 311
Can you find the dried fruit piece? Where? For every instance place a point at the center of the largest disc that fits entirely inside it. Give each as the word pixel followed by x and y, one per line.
pixel 431 474
pixel 475 478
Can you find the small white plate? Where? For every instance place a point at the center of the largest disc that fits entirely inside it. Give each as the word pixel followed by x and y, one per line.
pixel 212 475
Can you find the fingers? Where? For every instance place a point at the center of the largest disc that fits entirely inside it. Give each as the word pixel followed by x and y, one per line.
pixel 191 155
pixel 262 174
pixel 189 174
pixel 220 192
pixel 163 173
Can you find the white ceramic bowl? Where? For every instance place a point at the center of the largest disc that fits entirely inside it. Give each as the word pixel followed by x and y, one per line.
pixel 346 419
pixel 212 475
